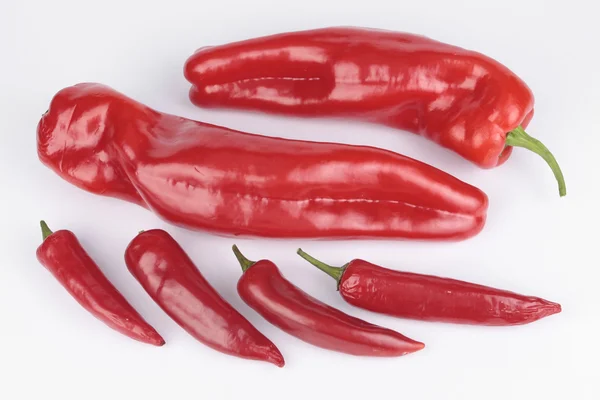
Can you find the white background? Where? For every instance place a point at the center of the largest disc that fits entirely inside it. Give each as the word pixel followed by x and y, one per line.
pixel 534 242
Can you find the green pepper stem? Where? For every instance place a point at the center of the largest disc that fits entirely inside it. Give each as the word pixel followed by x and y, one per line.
pixel 334 272
pixel 45 230
pixel 519 138
pixel 244 262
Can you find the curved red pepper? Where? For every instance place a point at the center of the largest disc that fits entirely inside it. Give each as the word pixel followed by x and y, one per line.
pixel 458 98
pixel 168 275
pixel 431 298
pixel 207 177
pixel 62 254
pixel 286 306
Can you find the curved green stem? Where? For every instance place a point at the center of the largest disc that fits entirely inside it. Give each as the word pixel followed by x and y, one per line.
pixel 519 138
pixel 45 230
pixel 244 262
pixel 334 272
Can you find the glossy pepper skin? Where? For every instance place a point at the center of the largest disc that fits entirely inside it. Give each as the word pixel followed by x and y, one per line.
pixel 461 99
pixel 432 298
pixel 168 275
pixel 62 254
pixel 228 182
pixel 265 289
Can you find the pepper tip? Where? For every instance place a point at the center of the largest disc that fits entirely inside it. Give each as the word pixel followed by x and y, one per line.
pixel 275 357
pixel 416 346
pixel 554 308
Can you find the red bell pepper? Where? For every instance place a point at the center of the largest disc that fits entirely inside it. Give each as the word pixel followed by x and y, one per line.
pixel 458 98
pixel 212 178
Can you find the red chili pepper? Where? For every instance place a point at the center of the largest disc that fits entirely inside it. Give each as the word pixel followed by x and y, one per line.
pixel 207 177
pixel 458 98
pixel 166 272
pixel 431 298
pixel 62 254
pixel 289 308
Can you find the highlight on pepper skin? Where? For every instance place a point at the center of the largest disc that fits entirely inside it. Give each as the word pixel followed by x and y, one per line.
pixel 460 99
pixel 232 183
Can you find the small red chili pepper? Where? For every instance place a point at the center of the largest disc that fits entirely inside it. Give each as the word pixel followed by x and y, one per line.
pixel 431 298
pixel 212 178
pixel 168 275
pixel 62 254
pixel 461 99
pixel 286 306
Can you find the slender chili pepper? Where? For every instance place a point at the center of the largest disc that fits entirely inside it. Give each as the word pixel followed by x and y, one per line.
pixel 212 178
pixel 62 254
pixel 294 311
pixel 431 298
pixel 168 275
pixel 461 99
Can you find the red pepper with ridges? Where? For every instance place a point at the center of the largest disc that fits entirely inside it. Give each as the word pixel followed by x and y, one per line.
pixel 431 298
pixel 461 99
pixel 168 275
pixel 212 178
pixel 265 289
pixel 62 254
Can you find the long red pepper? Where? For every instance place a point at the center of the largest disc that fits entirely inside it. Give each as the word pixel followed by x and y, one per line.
pixel 207 177
pixel 168 275
pixel 62 254
pixel 458 98
pixel 286 306
pixel 431 298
